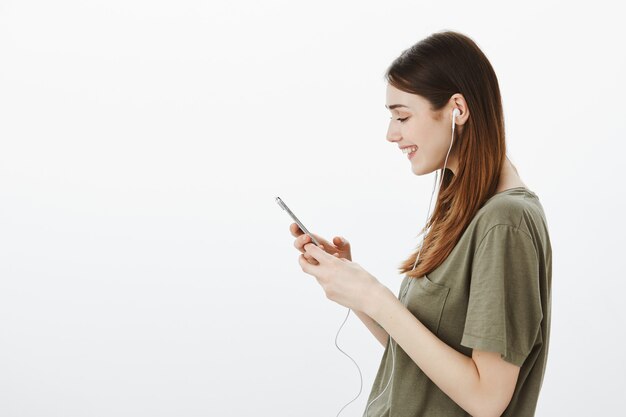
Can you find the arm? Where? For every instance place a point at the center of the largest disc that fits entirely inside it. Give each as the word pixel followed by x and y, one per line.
pixel 377 330
pixel 482 385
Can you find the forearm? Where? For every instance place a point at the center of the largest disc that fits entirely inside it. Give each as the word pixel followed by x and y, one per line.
pixel 377 330
pixel 453 372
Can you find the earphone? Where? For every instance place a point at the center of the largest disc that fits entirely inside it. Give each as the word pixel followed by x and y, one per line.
pixel 455 113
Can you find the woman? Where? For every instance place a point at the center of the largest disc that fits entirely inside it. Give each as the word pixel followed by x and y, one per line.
pixel 469 330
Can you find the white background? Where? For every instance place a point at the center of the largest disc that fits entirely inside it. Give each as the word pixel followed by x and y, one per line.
pixel 145 267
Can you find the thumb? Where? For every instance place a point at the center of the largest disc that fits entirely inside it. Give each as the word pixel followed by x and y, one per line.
pixel 340 241
pixel 316 251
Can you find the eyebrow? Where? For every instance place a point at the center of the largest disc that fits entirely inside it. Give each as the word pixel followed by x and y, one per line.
pixel 393 106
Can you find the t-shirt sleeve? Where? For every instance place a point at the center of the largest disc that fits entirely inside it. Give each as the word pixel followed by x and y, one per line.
pixel 504 310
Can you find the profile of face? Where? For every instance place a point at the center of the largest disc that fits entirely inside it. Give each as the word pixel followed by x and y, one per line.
pixel 413 123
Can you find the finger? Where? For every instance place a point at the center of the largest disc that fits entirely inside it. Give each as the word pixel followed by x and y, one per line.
pixel 297 243
pixel 301 241
pixel 308 239
pixel 340 241
pixel 310 259
pixel 305 265
pixel 317 252
pixel 295 229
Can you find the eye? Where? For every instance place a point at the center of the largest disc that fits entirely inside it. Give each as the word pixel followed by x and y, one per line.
pixel 402 120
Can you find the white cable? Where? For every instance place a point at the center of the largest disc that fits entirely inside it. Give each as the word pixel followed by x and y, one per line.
pixel 357 366
pixel 393 354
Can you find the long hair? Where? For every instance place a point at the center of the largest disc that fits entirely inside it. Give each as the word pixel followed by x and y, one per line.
pixel 435 68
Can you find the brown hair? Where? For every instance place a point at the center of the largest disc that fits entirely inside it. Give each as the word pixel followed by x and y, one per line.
pixel 435 68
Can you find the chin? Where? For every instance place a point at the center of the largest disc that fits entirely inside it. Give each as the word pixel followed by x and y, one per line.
pixel 421 170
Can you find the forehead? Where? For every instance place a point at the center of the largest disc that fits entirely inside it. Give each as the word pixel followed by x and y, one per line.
pixel 399 100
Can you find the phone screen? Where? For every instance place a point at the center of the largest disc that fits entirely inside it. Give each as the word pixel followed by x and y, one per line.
pixel 282 204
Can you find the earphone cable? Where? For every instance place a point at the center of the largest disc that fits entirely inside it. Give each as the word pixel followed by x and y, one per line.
pixel 390 340
pixel 357 366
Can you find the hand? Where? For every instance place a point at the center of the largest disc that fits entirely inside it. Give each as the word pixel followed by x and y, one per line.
pixel 340 249
pixel 345 282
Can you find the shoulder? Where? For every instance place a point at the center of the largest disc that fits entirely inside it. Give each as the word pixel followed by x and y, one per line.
pixel 514 212
pixel 502 209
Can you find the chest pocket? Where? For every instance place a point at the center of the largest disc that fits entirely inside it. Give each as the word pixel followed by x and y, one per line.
pixel 426 299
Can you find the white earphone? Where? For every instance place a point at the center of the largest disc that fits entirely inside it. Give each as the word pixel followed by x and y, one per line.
pixel 455 114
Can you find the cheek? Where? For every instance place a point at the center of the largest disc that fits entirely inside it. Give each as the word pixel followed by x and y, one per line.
pixel 425 137
pixel 420 134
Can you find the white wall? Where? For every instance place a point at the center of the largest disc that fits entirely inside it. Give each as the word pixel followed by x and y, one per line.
pixel 145 268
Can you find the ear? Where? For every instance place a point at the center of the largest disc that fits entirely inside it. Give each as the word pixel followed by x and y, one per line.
pixel 457 101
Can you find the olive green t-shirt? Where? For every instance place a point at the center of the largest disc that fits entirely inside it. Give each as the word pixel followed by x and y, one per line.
pixel 492 293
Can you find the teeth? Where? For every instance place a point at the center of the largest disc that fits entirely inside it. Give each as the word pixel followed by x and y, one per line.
pixel 409 150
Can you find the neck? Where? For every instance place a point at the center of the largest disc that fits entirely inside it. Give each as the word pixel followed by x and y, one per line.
pixel 509 177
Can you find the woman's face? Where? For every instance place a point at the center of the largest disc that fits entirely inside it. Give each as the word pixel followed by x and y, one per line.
pixel 414 124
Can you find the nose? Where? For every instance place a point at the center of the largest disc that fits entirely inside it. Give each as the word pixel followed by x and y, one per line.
pixel 393 134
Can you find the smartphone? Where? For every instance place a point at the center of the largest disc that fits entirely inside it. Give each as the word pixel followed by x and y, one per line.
pixel 282 204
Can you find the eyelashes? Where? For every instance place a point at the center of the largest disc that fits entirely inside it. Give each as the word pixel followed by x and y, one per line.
pixel 401 120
